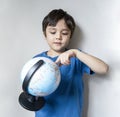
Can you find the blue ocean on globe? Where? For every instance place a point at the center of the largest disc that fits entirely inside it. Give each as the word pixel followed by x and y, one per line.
pixel 45 80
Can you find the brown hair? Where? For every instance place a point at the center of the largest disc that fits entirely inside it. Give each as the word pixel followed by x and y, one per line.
pixel 54 16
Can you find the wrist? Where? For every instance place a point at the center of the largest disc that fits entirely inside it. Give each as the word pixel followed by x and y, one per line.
pixel 76 51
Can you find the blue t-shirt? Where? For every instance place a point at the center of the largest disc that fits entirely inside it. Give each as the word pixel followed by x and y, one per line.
pixel 67 100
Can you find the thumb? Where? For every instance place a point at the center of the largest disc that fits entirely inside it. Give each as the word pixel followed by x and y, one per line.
pixel 58 62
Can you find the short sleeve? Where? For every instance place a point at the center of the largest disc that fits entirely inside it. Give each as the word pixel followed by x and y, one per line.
pixel 86 69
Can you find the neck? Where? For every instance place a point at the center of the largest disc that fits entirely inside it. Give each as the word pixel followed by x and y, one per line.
pixel 52 53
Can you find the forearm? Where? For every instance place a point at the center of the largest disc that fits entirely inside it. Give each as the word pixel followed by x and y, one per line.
pixel 96 64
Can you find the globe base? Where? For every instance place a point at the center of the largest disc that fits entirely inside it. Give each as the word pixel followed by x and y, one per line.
pixel 30 102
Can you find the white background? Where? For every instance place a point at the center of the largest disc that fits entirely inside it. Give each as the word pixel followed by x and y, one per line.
pixel 97 32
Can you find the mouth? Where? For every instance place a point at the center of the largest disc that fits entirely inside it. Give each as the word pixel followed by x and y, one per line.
pixel 57 43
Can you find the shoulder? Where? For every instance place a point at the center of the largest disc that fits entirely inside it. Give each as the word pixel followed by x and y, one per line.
pixel 42 54
pixel 79 66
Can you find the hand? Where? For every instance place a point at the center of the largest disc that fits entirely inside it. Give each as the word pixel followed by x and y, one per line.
pixel 64 58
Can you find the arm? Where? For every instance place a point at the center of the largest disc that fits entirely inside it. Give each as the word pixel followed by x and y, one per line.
pixel 97 65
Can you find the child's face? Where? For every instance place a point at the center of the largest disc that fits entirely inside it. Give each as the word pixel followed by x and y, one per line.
pixel 58 36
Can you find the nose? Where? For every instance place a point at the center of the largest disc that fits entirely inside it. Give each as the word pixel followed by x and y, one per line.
pixel 58 35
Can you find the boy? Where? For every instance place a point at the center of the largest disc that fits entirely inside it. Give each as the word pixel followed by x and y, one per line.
pixel 67 100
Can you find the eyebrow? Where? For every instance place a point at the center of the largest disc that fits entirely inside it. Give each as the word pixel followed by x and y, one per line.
pixel 52 28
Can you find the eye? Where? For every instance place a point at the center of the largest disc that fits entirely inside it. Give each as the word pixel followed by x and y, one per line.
pixel 52 32
pixel 65 33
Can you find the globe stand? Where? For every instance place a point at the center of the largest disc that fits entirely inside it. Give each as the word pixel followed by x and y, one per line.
pixel 30 102
pixel 26 100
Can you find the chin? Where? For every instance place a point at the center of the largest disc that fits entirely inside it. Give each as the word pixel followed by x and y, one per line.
pixel 59 50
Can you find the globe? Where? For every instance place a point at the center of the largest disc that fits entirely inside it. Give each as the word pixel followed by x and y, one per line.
pixel 45 79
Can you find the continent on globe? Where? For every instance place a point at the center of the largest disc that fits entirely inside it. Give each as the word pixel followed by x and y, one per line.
pixel 46 78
